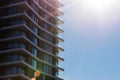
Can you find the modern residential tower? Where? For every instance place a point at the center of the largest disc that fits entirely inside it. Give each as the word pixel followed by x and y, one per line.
pixel 29 38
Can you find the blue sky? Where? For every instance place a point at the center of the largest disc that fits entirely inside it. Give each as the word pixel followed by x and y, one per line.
pixel 92 42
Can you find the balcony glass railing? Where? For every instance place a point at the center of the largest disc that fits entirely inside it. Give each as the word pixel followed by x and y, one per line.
pixel 16 10
pixel 15 58
pixel 10 58
pixel 46 11
pixel 12 70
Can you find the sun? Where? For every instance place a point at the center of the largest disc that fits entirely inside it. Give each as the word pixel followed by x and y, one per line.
pixel 97 5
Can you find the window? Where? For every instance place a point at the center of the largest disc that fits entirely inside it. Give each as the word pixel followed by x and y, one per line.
pixel 13 34
pixel 34 51
pixel 45 6
pixel 22 45
pixel 21 71
pixel 34 18
pixel 56 74
pixel 16 45
pixel 11 58
pixel 35 8
pixel 48 37
pixel 34 63
pixel 21 58
pixel 45 57
pixel 35 40
pixel 35 30
pixel 47 69
pixel 46 16
pixel 44 78
pixel 48 47
pixel 11 70
pixel 22 33
pixel 16 22
pixel 46 26
pixel 48 58
pixel 14 70
pixel 13 10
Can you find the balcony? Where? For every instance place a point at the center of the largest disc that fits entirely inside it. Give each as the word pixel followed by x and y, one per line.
pixel 24 13
pixel 27 6
pixel 56 3
pixel 15 77
pixel 27 41
pixel 28 66
pixel 52 5
pixel 19 53
pixel 25 27
pixel 47 12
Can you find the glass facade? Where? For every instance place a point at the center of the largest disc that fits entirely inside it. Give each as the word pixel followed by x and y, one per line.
pixel 28 38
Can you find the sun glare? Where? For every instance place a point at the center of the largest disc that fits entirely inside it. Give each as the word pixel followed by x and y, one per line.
pixel 97 5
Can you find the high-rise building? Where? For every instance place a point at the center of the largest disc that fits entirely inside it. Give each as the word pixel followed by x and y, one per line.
pixel 29 38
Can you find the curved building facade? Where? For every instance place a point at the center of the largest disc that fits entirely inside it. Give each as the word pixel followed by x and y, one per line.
pixel 29 39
